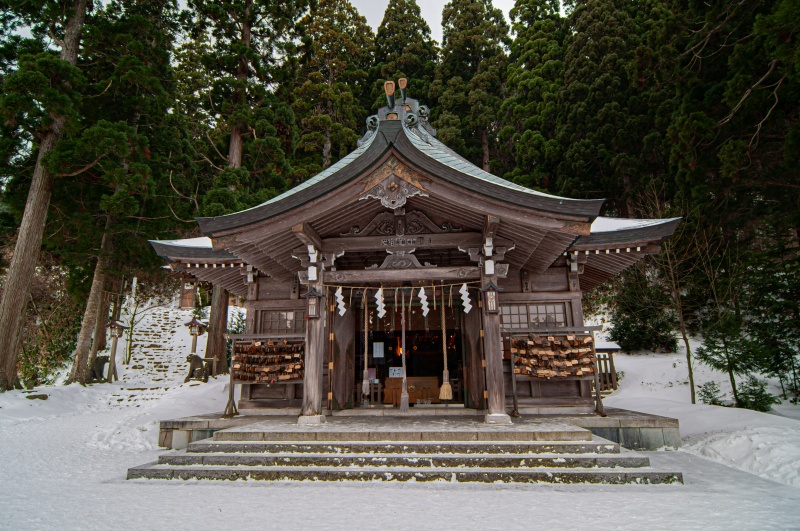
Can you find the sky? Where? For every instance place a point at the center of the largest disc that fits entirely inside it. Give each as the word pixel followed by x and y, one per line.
pixel 431 11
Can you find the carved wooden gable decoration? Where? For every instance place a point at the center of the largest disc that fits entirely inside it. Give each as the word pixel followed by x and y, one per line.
pixel 392 184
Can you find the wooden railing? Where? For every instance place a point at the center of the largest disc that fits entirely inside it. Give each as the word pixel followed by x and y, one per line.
pixel 606 372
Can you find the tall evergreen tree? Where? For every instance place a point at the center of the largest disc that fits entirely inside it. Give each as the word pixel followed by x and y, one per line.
pixel 617 100
pixel 468 89
pixel 535 76
pixel 249 46
pixel 111 168
pixel 333 91
pixel 403 48
pixel 40 97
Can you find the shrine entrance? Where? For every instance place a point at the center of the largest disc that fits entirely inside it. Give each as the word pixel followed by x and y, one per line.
pixel 425 346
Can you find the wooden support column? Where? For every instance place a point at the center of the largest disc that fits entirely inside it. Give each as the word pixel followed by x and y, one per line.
pixel 492 339
pixel 316 340
pixel 495 386
pixel 316 344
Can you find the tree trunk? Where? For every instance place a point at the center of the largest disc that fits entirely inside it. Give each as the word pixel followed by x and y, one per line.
pixel 99 336
pixel 235 147
pixel 80 363
pixel 327 145
pixel 29 238
pixel 676 296
pixel 731 376
pixel 485 146
pixel 217 328
pixel 689 362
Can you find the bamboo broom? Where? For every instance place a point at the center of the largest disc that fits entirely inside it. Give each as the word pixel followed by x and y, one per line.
pixel 446 392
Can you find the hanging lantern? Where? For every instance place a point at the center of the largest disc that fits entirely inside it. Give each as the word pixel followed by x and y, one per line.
pixel 490 301
pixel 313 302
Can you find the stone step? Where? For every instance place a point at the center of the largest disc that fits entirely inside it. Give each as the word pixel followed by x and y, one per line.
pixel 409 460
pixel 450 475
pixel 596 446
pixel 408 432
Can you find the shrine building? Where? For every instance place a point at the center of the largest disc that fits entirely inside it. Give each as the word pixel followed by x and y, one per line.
pixel 405 277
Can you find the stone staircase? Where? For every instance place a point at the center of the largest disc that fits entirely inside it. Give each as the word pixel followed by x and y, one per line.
pixel 528 453
pixel 159 351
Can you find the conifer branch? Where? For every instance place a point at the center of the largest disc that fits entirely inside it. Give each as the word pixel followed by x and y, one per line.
pixel 749 91
pixel 758 127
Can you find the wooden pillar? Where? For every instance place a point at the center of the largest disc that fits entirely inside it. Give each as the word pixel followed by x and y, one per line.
pixel 311 412
pixel 492 346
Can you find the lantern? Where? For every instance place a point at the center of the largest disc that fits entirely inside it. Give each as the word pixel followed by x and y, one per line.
pixel 313 302
pixel 490 301
pixel 117 329
pixel 196 328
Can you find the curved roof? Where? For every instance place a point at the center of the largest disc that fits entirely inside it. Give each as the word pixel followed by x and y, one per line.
pixel 416 144
pixel 191 248
pixel 616 231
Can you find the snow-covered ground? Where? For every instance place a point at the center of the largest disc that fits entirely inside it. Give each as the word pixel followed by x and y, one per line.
pixel 767 444
pixel 63 463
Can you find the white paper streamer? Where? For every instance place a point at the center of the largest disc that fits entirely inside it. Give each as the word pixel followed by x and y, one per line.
pixel 465 300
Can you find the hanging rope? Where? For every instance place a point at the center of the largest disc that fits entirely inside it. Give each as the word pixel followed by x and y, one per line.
pixel 365 382
pixel 330 318
pixel 446 392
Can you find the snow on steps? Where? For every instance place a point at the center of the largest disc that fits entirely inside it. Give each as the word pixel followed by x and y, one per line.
pixel 160 347
pixel 595 460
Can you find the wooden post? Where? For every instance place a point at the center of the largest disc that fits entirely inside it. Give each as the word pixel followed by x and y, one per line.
pixel 613 370
pixel 112 360
pixel 515 411
pixel 311 412
pixel 494 368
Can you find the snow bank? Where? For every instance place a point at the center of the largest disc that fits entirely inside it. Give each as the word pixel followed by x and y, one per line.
pixel 770 452
pixel 766 444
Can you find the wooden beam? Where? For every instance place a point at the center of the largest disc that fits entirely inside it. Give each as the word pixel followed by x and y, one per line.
pixel 306 234
pixel 465 273
pixel 490 227
pixel 456 240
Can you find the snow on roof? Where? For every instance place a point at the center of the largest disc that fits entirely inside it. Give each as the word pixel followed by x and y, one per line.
pixel 602 224
pixel 200 243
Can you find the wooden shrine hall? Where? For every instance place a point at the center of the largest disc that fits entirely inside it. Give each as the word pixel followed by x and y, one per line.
pixel 404 276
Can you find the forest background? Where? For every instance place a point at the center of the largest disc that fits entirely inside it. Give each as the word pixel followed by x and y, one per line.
pixel 122 121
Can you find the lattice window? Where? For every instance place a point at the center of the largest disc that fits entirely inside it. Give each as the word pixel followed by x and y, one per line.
pixel 514 316
pixel 544 316
pixel 282 321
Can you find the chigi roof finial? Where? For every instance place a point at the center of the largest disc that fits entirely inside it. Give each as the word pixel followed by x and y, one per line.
pixel 402 83
pixel 388 88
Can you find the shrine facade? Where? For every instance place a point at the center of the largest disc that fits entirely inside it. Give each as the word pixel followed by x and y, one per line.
pixel 404 276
